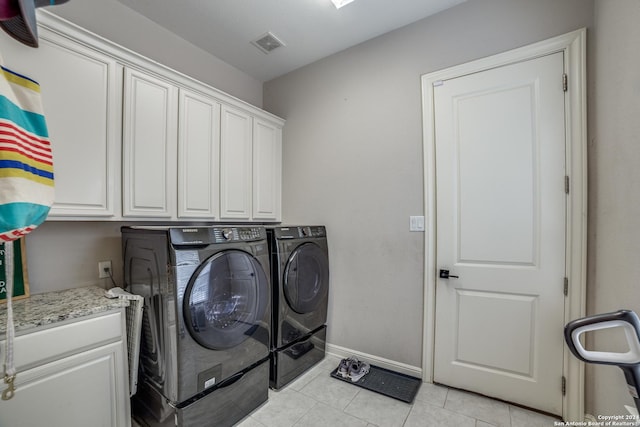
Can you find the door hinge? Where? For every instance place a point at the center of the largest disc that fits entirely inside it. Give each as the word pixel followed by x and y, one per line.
pixel 566 184
pixel 565 82
pixel 564 385
pixel 566 286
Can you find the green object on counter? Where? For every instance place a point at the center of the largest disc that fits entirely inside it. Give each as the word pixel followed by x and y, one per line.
pixel 20 281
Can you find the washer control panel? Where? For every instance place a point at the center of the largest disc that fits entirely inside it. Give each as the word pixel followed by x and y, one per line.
pixel 243 234
pixel 210 235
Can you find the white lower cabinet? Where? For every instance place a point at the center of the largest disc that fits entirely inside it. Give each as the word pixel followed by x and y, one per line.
pixel 73 375
pixel 75 391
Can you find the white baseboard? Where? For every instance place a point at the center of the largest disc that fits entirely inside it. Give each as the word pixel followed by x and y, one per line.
pixel 402 368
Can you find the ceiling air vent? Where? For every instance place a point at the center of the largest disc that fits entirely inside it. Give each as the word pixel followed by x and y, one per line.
pixel 267 42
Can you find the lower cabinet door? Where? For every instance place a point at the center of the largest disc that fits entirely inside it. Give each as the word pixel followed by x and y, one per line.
pixel 86 389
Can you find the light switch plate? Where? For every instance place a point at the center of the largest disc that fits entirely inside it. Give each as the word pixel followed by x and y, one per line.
pixel 416 223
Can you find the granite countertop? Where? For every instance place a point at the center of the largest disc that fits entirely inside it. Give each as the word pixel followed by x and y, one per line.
pixel 53 307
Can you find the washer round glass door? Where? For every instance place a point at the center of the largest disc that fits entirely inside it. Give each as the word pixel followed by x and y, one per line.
pixel 225 299
pixel 306 278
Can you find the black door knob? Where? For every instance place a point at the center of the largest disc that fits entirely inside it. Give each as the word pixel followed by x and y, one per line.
pixel 444 274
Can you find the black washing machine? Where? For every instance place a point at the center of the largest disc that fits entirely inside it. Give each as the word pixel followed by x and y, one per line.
pixel 300 279
pixel 204 357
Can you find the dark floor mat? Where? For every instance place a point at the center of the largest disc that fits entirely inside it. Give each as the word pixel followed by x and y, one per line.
pixel 383 381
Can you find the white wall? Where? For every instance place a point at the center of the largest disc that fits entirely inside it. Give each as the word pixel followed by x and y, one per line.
pixel 353 157
pixel 120 24
pixel 63 255
pixel 614 186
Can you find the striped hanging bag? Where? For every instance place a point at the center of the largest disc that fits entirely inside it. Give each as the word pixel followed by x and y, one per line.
pixel 26 181
pixel 26 163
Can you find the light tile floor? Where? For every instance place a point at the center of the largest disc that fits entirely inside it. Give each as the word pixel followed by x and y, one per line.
pixel 317 400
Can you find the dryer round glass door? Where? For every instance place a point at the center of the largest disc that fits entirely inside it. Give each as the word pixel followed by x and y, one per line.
pixel 226 299
pixel 306 278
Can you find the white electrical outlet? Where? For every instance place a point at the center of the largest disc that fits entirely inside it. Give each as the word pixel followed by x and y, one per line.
pixel 104 267
pixel 416 223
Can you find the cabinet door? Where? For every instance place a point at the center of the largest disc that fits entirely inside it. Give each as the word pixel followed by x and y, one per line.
pixel 86 389
pixel 267 166
pixel 81 100
pixel 198 156
pixel 235 164
pixel 149 146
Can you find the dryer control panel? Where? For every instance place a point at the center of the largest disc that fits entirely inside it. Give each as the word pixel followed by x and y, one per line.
pixel 212 235
pixel 300 232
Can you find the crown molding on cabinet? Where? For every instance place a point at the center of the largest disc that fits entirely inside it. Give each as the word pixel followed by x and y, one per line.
pixel 131 59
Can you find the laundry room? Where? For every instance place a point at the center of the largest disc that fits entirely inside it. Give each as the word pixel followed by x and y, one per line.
pixel 340 148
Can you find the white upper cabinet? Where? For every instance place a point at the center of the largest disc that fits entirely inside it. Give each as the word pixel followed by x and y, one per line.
pixel 250 167
pixel 149 146
pixel 236 144
pixel 198 156
pixel 135 140
pixel 267 170
pixel 81 96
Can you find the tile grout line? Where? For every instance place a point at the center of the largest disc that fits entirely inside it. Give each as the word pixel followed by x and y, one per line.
pixel 354 416
pixel 295 423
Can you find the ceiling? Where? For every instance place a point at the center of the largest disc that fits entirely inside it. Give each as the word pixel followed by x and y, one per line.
pixel 310 29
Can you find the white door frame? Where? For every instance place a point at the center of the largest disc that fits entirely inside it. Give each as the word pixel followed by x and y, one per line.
pixel 574 47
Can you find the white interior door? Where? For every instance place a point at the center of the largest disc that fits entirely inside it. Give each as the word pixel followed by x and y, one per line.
pixel 500 208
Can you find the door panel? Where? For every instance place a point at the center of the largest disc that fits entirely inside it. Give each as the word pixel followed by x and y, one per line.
pixel 500 166
pixel 497 177
pixel 472 335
